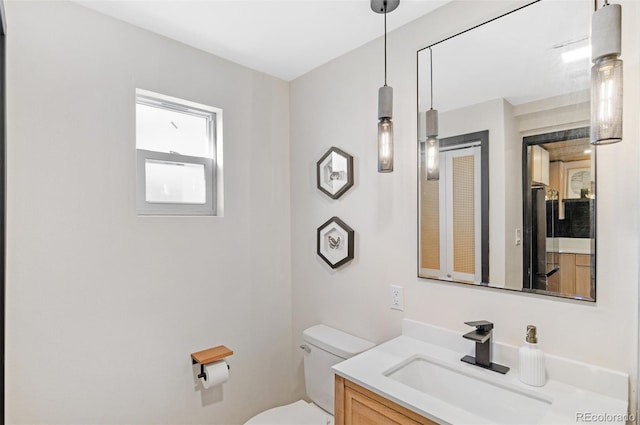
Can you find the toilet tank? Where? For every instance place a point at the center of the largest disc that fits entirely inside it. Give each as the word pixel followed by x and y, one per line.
pixel 327 346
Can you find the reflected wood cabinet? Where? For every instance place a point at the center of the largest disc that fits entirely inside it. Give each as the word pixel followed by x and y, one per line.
pixel 574 276
pixel 355 405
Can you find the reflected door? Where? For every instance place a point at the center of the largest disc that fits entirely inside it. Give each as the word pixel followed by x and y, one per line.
pixel 451 218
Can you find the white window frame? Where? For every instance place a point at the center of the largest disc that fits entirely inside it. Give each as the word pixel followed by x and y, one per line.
pixel 211 164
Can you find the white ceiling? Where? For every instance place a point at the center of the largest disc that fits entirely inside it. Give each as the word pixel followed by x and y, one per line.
pixel 517 57
pixel 283 38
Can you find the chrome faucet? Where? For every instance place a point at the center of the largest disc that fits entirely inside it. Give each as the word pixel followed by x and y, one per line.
pixel 482 337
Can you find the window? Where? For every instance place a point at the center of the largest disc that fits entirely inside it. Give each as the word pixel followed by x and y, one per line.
pixel 176 155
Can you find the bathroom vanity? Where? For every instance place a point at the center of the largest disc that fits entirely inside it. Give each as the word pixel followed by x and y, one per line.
pixel 418 378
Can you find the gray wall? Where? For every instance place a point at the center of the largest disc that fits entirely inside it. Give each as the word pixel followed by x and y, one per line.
pixel 104 307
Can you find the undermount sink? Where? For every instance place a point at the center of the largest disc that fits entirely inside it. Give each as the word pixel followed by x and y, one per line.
pixel 494 403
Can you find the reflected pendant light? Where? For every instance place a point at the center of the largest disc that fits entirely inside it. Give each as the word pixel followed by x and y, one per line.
pixel 385 97
pixel 432 144
pixel 606 75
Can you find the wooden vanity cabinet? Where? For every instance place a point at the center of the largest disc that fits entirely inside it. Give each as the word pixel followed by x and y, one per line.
pixel 574 277
pixel 575 274
pixel 355 405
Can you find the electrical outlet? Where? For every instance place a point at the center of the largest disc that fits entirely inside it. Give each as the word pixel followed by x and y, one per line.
pixel 396 297
pixel 518 238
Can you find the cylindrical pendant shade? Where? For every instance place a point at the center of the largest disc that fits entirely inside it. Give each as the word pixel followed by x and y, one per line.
pixel 385 146
pixel 606 101
pixel 432 122
pixel 606 32
pixel 432 158
pixel 385 102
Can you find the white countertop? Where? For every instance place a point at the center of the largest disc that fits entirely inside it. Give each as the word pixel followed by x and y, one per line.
pixel 604 391
pixel 570 245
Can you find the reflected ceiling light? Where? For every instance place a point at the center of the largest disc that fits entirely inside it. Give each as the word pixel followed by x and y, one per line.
pixel 432 144
pixel 587 151
pixel 385 97
pixel 606 75
pixel 576 54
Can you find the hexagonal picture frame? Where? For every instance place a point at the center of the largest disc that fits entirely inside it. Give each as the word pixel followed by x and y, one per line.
pixel 334 173
pixel 335 242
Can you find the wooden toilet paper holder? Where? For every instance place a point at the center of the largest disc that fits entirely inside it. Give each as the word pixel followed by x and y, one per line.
pixel 210 355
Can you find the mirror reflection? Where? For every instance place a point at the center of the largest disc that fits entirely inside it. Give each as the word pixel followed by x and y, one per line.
pixel 454 231
pixel 559 206
pixel 507 104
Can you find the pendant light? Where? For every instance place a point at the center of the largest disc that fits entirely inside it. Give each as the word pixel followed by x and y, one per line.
pixel 432 144
pixel 385 97
pixel 606 75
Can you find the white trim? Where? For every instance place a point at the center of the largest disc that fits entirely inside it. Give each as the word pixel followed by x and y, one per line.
pixel 477 191
pixel 218 169
pixel 442 215
pixel 460 146
pixel 160 98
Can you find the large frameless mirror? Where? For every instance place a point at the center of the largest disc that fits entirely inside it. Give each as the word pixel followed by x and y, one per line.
pixel 506 194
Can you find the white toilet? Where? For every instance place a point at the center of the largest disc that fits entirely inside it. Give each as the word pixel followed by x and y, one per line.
pixel 324 347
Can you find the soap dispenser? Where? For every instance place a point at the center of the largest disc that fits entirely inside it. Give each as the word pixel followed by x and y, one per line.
pixel 532 369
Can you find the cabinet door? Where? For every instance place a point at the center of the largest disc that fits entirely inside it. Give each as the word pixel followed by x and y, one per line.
pixel 355 405
pixel 583 275
pixel 361 410
pixel 540 165
pixel 568 273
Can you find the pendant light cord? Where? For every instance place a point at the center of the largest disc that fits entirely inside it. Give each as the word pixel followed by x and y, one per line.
pixel 385 43
pixel 431 73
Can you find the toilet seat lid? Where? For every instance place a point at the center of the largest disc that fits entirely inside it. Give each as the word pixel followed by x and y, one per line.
pixel 297 413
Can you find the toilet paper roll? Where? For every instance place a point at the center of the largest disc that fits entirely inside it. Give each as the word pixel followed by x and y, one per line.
pixel 215 373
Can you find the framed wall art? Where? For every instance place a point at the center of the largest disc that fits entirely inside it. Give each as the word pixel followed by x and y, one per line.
pixel 334 173
pixel 335 242
pixel 577 179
